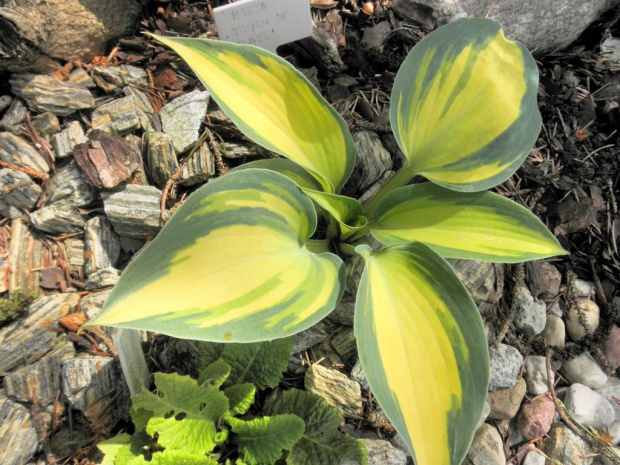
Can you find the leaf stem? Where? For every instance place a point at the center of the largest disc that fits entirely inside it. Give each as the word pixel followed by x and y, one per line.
pixel 402 177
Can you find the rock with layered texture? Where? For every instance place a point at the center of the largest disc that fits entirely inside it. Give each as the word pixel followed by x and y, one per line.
pixel 46 93
pixel 18 435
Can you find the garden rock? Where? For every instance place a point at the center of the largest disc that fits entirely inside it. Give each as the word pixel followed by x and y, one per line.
pixel 59 218
pixel 80 77
pixel 375 36
pixel 536 375
pixel 64 142
pixel 383 453
pixel 46 93
pixel 26 253
pixel 15 115
pixel 102 244
pixel 505 365
pixel 161 157
pixel 335 387
pixel 611 392
pixel 18 435
pixel 199 167
pixel 583 319
pixel 357 374
pixel 536 418
pixel 614 432
pixel 133 210
pixel 541 26
pixel 544 279
pixel 566 447
pixel 102 278
pixel 554 333
pixel 531 316
pixel 182 118
pixel 487 447
pixel 344 312
pixel 372 161
pixel 582 288
pixel 110 78
pixel 588 407
pixel 46 124
pixel 16 151
pixel 611 349
pixel 68 185
pixel 478 277
pixel 119 116
pixel 583 369
pixel 505 403
pixel 18 190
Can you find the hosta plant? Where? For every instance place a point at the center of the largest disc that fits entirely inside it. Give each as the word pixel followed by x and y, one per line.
pixel 211 420
pixel 242 260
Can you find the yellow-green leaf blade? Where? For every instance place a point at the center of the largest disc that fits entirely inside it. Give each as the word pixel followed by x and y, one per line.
pixel 273 104
pixel 290 169
pixel 463 106
pixel 230 266
pixel 346 210
pixel 476 226
pixel 422 346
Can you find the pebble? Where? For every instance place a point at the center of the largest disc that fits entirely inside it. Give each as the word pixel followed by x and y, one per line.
pixel 46 93
pixel 119 116
pixel 383 453
pixel 102 244
pixel 534 458
pixel 61 218
pixel 68 186
pixel 374 36
pixel 161 158
pixel 80 77
pixel 110 78
pixel 505 365
pixel 5 102
pixel 46 124
pixel 336 388
pixel 398 442
pixel 372 161
pixel 357 374
pixel 478 278
pixel 614 432
pixel 566 447
pixel 583 369
pixel 18 190
pixel 611 392
pixel 505 403
pixel 16 151
pixel 531 316
pixel 544 279
pixel 554 333
pixel 18 436
pixel 235 150
pixel 536 418
pixel 583 288
pixel 133 210
pixel 144 106
pixel 182 118
pixel 588 407
pixel 536 375
pixel 487 447
pixel 611 349
pixel 15 115
pixel 199 167
pixel 64 142
pixel 102 278
pixel 30 338
pixel 26 253
pixel 590 314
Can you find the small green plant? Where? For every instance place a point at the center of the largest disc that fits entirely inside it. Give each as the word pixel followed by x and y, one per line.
pixel 242 260
pixel 14 306
pixel 209 421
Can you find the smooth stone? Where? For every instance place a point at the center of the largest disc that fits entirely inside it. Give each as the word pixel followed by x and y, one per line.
pixel 505 365
pixel 583 369
pixel 505 403
pixel 614 431
pixel 566 447
pixel 587 311
pixel 18 435
pixel 611 392
pixel 5 102
pixel 487 447
pixel 534 458
pixel 531 316
pixel 611 349
pixel 536 375
pixel 536 417
pixel 583 288
pixel 554 333
pixel 588 407
pixel 336 388
pixel 182 118
pixel 383 453
pixel 544 279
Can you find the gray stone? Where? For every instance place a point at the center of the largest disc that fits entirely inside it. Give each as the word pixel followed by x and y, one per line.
pixel 566 447
pixel 102 244
pixel 375 36
pixel 614 432
pixel 74 248
pixel 505 365
pixel 611 391
pixel 588 407
pixel 144 106
pixel 544 279
pixel 542 26
pixel 15 115
pixel 26 253
pixel 46 93
pixel 478 277
pixel 5 102
pixel 67 185
pixel 60 218
pixel 92 303
pixel 344 312
pixel 357 374
pixel 16 151
pixel 536 375
pixel 336 388
pixel 46 124
pixel 137 145
pixel 161 157
pixel 398 442
pixel 118 116
pixel 531 316
pixel 533 458
pixel 583 369
pixel 64 142
pixel 372 161
pixel 505 403
pixel 80 77
pixel 487 447
pixel 39 383
pixel 199 167
pixel 30 338
pixel 344 343
pixel 110 78
pixel 583 288
pixel 383 453
pixel 583 319
pixel 236 150
pixel 182 118
pixel 18 190
pixel 102 278
pixel 18 435
pixel 554 333
pixel 133 210
pixel 304 340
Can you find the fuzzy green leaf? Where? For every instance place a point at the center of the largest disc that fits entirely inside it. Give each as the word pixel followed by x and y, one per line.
pixel 208 353
pixel 262 440
pixel 240 397
pixel 215 374
pixel 321 442
pixel 115 446
pixel 183 415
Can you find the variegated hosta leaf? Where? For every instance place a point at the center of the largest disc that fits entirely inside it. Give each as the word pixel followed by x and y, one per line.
pixel 230 266
pixel 422 346
pixel 291 170
pixel 477 226
pixel 345 210
pixel 463 106
pixel 273 104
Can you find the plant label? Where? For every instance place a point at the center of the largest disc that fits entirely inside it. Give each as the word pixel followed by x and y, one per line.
pixel 132 359
pixel 264 23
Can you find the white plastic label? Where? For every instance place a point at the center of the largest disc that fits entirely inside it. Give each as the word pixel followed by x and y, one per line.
pixel 132 359
pixel 264 23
